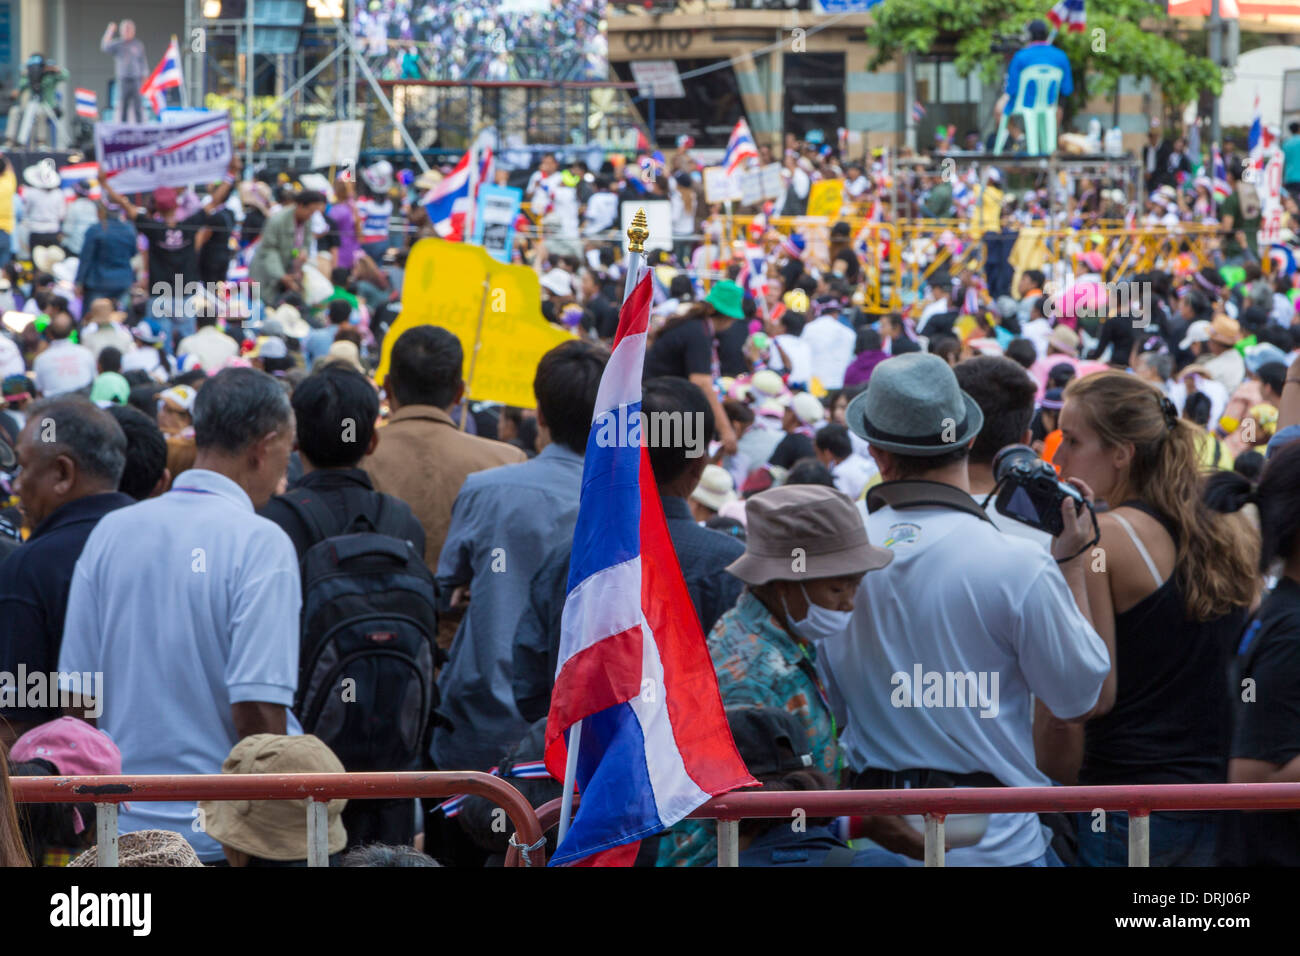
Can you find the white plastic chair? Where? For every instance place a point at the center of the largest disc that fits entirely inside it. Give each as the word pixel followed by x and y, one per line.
pixel 1039 119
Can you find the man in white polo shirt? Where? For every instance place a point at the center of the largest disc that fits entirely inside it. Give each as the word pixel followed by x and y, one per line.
pixel 188 604
pixel 65 366
pixel 932 681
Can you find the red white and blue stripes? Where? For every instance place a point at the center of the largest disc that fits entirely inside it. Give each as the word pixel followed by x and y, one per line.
pixel 740 148
pixel 634 667
pixel 1070 15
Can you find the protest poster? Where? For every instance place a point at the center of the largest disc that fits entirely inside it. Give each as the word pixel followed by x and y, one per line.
pixel 773 182
pixel 444 286
pixel 494 223
pixel 140 158
pixel 337 144
pixel 825 198
pixel 718 186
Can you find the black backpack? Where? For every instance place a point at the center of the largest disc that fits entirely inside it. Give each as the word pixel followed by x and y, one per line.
pixel 369 615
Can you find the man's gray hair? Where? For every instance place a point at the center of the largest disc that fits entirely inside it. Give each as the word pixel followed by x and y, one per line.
pixel 238 406
pixel 73 425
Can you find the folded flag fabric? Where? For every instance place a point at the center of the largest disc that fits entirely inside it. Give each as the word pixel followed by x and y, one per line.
pixel 633 665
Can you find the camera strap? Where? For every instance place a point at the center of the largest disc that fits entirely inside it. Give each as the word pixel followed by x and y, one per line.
pixel 916 493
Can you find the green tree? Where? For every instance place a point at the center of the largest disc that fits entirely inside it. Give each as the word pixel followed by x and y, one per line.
pixel 1123 38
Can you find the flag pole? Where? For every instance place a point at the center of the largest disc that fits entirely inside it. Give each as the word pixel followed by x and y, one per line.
pixel 637 233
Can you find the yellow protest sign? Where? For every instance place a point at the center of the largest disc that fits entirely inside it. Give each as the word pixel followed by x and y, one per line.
pixel 444 286
pixel 825 198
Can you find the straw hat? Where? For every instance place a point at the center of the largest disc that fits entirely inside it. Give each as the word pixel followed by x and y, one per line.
pixel 147 848
pixel 1225 331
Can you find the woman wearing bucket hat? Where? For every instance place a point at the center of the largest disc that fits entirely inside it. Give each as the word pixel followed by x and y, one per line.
pixel 686 347
pixel 764 649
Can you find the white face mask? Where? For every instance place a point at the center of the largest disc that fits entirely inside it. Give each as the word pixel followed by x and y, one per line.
pixel 820 622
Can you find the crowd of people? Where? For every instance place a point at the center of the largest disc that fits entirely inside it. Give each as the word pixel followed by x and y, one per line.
pixel 487 40
pixel 240 552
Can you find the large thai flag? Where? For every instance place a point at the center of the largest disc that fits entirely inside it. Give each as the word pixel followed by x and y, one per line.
pixel 165 76
pixel 1069 14
pixel 740 147
pixel 634 667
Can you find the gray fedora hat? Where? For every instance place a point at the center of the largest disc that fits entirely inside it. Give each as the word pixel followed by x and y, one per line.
pixel 914 406
pixel 804 532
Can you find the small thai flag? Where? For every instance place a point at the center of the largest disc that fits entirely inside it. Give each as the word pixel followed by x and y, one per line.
pixel 1070 15
pixel 740 147
pixel 918 112
pixel 1222 189
pixel 87 104
pixel 77 173
pixel 530 770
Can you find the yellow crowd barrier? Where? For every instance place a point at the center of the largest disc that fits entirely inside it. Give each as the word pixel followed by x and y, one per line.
pixel 902 257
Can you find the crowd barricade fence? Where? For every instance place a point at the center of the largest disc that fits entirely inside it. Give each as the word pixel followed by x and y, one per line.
pixel 106 792
pixel 936 804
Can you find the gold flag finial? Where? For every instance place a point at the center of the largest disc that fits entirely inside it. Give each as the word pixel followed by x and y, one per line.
pixel 638 232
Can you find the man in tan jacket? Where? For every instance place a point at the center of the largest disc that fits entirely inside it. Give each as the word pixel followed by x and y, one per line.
pixel 424 458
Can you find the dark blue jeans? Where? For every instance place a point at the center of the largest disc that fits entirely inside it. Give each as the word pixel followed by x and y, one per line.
pixel 1177 839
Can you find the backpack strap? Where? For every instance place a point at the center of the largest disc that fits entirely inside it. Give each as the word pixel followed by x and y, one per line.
pixel 313 513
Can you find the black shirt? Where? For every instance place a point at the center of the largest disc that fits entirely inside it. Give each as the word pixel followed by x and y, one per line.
pixel 214 257
pixel 681 350
pixel 1170 719
pixel 1266 726
pixel 347 492
pixel 35 581
pixel 793 447
pixel 171 248
pixel 731 350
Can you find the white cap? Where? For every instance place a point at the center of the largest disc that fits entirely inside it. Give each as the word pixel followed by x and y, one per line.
pixel 715 488
pixel 558 282
pixel 1198 331
pixel 807 408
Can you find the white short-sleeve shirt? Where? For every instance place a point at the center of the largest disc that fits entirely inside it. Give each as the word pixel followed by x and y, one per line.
pixel 186 603
pixel 992 616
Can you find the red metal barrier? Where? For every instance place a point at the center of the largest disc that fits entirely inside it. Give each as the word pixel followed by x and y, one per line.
pixel 108 791
pixel 935 805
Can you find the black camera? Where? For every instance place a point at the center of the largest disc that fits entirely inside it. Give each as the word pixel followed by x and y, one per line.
pixel 1029 491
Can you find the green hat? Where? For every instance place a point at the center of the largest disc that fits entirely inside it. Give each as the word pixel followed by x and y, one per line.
pixel 110 387
pixel 727 297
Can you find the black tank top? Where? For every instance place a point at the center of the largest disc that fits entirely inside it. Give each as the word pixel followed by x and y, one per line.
pixel 1170 722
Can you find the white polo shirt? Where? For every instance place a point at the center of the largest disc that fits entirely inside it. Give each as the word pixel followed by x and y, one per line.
pixel 831 343
pixel 961 597
pixel 63 367
pixel 187 603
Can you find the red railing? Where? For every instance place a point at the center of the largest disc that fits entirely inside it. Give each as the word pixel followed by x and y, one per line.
pixel 935 805
pixel 317 788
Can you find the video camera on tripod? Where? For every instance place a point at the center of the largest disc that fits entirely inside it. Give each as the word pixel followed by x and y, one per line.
pixel 41 78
